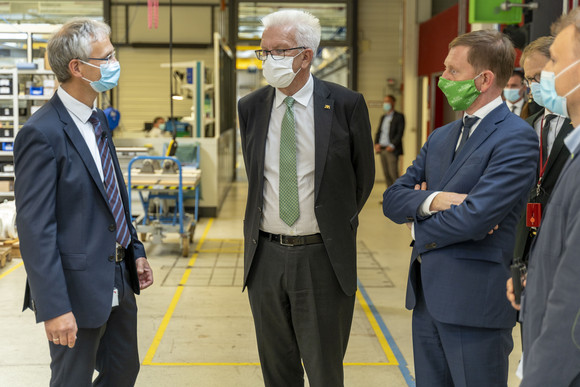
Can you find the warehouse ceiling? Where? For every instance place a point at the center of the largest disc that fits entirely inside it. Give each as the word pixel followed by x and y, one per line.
pixel 48 12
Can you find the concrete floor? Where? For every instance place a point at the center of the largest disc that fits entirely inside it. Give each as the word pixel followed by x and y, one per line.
pixel 195 325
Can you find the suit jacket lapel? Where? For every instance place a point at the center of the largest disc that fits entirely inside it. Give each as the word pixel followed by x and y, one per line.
pixel 260 131
pixel 485 128
pixel 323 113
pixel 558 144
pixel 78 142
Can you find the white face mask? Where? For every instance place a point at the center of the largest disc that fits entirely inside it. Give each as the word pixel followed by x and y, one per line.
pixel 279 73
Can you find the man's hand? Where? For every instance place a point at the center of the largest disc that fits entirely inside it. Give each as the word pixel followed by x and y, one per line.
pixel 62 330
pixel 444 200
pixel 510 293
pixel 390 148
pixel 377 148
pixel 493 229
pixel 144 272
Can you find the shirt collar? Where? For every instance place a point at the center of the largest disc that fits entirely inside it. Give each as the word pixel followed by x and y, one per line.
pixel 485 110
pixel 302 96
pixel 74 106
pixel 573 140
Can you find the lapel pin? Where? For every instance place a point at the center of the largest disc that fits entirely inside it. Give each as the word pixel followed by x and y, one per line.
pixel 327 107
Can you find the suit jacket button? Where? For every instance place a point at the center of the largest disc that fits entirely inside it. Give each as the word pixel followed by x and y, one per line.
pixel 431 245
pixel 112 227
pixel 260 210
pixel 254 241
pixel 111 258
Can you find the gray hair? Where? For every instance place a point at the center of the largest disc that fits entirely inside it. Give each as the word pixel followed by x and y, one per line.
pixel 306 27
pixel 74 41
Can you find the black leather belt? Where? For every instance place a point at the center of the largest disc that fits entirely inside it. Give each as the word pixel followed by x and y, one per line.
pixel 119 253
pixel 292 240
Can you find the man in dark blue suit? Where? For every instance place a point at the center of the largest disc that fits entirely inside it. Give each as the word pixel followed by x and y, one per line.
pixel 81 253
pixel 462 197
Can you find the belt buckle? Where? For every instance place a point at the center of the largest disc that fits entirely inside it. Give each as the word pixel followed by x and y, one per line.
pixel 283 243
pixel 119 253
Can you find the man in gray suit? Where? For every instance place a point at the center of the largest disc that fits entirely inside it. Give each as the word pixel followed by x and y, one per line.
pixel 81 253
pixel 551 306
pixel 308 153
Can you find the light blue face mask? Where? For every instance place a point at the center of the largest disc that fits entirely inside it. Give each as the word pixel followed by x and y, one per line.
pixel 110 73
pixel 552 101
pixel 537 93
pixel 387 107
pixel 511 95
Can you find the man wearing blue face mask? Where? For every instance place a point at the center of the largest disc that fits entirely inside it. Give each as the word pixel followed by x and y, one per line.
pixel 514 91
pixel 308 153
pixel 551 304
pixel 551 129
pixel 81 253
pixel 389 139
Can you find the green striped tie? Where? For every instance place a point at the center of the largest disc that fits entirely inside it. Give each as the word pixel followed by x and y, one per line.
pixel 288 195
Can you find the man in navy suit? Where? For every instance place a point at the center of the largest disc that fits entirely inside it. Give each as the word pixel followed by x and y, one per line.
pixel 462 198
pixel 300 270
pixel 81 253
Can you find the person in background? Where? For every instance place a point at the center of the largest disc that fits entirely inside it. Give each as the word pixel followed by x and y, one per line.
pixel 551 305
pixel 308 153
pixel 462 198
pixel 81 253
pixel 158 128
pixel 514 92
pixel 551 129
pixel 389 139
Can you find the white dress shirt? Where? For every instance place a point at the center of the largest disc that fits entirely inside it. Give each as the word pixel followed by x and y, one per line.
pixel 80 114
pixel 553 129
pixel 305 148
pixel 516 108
pixel 385 137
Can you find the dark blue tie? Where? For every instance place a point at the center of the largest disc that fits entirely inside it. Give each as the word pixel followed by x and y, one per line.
pixel 467 125
pixel 115 202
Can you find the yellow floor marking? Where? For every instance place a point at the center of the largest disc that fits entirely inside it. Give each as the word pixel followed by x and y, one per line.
pixel 392 360
pixel 165 322
pixel 11 270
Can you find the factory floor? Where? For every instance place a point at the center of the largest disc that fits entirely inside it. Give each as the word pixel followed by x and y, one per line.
pixel 195 324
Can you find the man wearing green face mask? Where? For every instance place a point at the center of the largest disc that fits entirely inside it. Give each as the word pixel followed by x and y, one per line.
pixel 462 198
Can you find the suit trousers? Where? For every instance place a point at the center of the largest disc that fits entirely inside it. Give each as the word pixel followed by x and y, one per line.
pixel 300 312
pixel 448 355
pixel 110 349
pixel 390 163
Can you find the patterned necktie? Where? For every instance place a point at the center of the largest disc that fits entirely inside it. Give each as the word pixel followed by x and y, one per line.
pixel 545 129
pixel 468 123
pixel 288 190
pixel 123 235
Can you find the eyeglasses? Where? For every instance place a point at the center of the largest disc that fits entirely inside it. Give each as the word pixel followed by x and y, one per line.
pixel 276 54
pixel 109 58
pixel 528 81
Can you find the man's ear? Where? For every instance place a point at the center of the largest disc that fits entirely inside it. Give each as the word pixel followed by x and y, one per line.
pixel 74 68
pixel 487 79
pixel 308 56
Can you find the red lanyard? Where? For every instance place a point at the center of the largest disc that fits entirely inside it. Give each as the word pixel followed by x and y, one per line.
pixel 542 167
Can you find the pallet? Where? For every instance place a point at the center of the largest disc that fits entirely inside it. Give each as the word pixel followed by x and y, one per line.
pixel 14 244
pixel 5 255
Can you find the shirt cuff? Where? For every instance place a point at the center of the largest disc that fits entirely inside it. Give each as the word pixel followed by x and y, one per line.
pixel 424 207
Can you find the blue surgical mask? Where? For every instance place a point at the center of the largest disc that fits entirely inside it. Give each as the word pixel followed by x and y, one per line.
pixel 537 93
pixel 511 95
pixel 552 101
pixel 387 107
pixel 162 126
pixel 110 73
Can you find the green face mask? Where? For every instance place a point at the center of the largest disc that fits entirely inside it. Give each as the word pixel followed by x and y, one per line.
pixel 460 94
